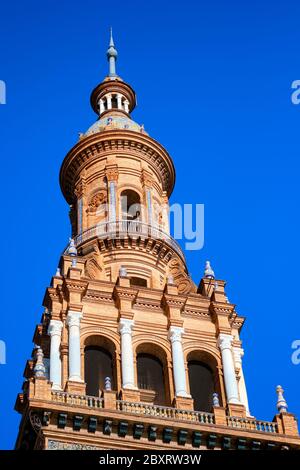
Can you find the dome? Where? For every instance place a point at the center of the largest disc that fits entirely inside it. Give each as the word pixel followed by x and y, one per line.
pixel 114 122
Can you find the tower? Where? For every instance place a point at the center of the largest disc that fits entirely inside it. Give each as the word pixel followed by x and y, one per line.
pixel 130 353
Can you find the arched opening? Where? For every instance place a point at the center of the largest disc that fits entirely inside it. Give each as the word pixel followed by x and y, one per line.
pixel 151 380
pixel 202 385
pixel 138 281
pixel 130 205
pixel 99 363
pixel 114 102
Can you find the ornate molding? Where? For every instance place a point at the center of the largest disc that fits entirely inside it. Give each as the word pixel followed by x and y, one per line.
pixel 92 295
pixel 225 341
pixel 92 269
pixel 192 312
pixel 126 326
pixel 55 327
pixel 98 146
pixel 98 199
pixel 112 173
pixel 80 188
pixel 175 334
pixel 73 318
pixel 59 445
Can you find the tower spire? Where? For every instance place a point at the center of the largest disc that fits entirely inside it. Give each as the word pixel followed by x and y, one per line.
pixel 112 55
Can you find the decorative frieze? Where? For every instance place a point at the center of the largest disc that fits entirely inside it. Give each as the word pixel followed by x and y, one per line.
pixel 59 445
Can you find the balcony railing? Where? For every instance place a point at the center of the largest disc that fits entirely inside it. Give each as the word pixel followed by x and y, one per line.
pixel 165 412
pixel 128 228
pixel 77 400
pixel 252 424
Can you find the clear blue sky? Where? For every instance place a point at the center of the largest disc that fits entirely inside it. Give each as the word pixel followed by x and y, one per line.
pixel 213 84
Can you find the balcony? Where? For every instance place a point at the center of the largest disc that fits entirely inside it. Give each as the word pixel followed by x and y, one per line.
pixel 163 412
pixel 133 229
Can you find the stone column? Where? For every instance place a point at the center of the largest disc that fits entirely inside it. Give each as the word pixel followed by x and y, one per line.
pixel 231 387
pixel 73 322
pixel 126 106
pixel 165 213
pixel 108 101
pixel 178 362
pixel 101 106
pixel 79 215
pixel 112 201
pixel 54 331
pixel 125 329
pixel 111 173
pixel 149 206
pixel 79 192
pixel 119 101
pixel 238 354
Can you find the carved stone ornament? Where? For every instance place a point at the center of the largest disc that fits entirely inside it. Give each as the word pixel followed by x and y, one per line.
pixel 92 269
pixel 79 190
pixel 35 421
pixel 112 173
pixel 57 445
pixel 97 200
pixel 182 280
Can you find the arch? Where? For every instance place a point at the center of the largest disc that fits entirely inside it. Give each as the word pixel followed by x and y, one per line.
pixel 153 373
pixel 114 101
pixel 103 334
pixel 204 380
pixel 130 204
pixel 99 362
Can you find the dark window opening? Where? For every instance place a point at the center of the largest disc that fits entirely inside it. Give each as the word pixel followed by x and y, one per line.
pixel 131 205
pixel 138 281
pixel 151 376
pixel 97 366
pixel 114 102
pixel 201 385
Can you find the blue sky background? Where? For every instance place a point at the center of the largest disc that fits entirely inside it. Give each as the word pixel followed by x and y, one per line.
pixel 213 83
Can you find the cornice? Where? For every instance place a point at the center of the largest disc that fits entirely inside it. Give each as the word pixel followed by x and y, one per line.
pixel 115 141
pixel 222 308
pixel 75 285
pixel 93 295
pixel 197 313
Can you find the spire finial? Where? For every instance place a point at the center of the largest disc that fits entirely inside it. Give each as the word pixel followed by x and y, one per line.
pixel 112 55
pixel 281 403
pixel 111 42
pixel 208 272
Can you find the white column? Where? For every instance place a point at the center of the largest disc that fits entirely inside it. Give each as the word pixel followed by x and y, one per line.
pixel 149 206
pixel 238 354
pixel 54 330
pixel 119 101
pixel 125 329
pixel 101 106
pixel 79 215
pixel 178 361
pixel 73 322
pixel 112 201
pixel 231 387
pixel 126 106
pixel 108 101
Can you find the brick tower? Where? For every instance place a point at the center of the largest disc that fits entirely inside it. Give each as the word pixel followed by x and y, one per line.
pixel 130 353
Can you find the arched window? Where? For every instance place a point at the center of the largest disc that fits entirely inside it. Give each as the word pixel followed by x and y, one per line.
pixel 201 380
pixel 151 377
pixel 97 366
pixel 130 205
pixel 114 102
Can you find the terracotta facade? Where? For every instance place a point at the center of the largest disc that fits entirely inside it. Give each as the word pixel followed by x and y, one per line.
pixel 123 283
